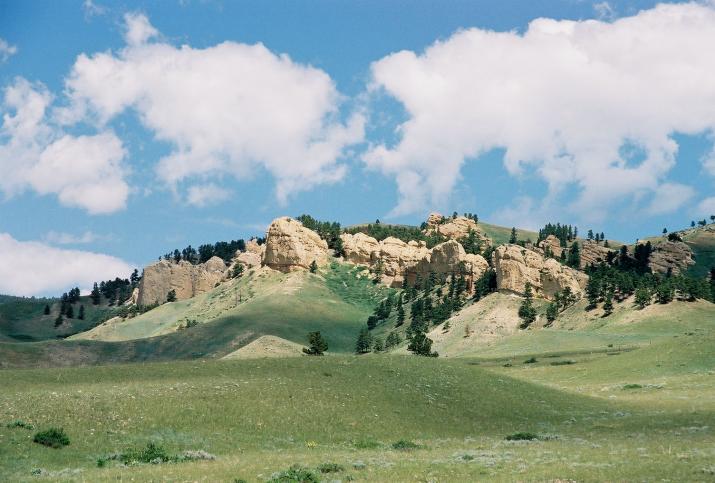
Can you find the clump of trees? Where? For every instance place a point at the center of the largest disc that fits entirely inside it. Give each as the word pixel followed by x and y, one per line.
pixel 327 230
pixel 565 233
pixel 224 250
pixel 316 344
pixel 381 231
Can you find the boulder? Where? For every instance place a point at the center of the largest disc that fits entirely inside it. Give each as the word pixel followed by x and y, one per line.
pixel 185 279
pixel 668 255
pixel 290 246
pixel 397 259
pixel 516 266
pixel 593 253
pixel 553 243
pixel 359 248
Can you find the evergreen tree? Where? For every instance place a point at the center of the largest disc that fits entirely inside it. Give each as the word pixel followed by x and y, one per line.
pixel 364 342
pixel 81 312
pixel 171 296
pixel 69 312
pixel 513 238
pixel 95 295
pixel 527 312
pixel 372 322
pixel 712 284
pixel 47 310
pixel 58 321
pixel 134 278
pixel 378 345
pixel 552 311
pixel 642 296
pixel 664 292
pixel 400 314
pixel 237 270
pixel 574 259
pixel 313 267
pixel 317 344
pixel 393 340
pixel 421 345
pixel 608 303
pixel 590 235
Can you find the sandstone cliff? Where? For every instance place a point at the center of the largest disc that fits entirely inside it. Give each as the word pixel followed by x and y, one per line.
pixel 290 246
pixel 455 228
pixel 185 279
pixel 515 266
pixel 667 255
pixel 553 244
pixel 593 253
pixel 253 256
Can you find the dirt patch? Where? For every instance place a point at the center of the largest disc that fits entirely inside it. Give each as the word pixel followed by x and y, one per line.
pixel 267 346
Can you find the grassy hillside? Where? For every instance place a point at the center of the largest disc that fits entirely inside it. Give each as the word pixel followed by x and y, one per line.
pixel 501 234
pixel 334 301
pixel 347 411
pixel 702 242
pixel 23 319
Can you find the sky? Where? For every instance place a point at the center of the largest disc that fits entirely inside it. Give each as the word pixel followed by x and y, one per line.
pixel 129 129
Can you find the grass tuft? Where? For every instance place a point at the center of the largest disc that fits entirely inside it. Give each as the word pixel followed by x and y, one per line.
pixel 522 436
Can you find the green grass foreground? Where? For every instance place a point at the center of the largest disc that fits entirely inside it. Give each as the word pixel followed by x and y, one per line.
pixel 259 417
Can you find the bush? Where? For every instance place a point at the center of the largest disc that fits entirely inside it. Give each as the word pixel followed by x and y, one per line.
pixel 295 474
pixel 531 360
pixel 367 444
pixel 53 437
pixel 522 436
pixel 153 453
pixel 330 468
pixel 19 423
pixel 632 386
pixel 563 363
pixel 405 445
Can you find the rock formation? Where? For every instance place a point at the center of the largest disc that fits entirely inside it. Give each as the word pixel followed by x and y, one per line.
pixel 593 253
pixel 667 255
pixel 553 244
pixel 185 279
pixel 359 248
pixel 515 266
pixel 253 256
pixel 455 228
pixel 290 246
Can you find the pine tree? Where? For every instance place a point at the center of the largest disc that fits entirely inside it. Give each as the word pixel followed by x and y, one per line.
pixel 81 312
pixel 712 284
pixel 96 295
pixel 574 259
pixel 527 312
pixel 393 340
pixel 317 344
pixel 313 267
pixel 171 296
pixel 552 311
pixel 69 312
pixel 513 238
pixel 378 345
pixel 58 321
pixel 642 296
pixel 608 303
pixel 47 310
pixel 421 345
pixel 364 342
pixel 400 314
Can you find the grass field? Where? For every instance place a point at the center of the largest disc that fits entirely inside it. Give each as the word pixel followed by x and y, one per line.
pixel 259 417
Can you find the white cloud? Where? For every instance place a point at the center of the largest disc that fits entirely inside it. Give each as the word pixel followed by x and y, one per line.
pixel 6 50
pixel 34 268
pixel 228 109
pixel 669 197
pixel 563 99
pixel 92 9
pixel 206 194
pixel 83 171
pixel 62 238
pixel 604 11
pixel 709 163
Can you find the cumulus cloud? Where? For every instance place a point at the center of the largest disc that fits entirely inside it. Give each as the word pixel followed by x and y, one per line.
pixel 33 268
pixel 604 11
pixel 706 207
pixel 669 197
pixel 62 238
pixel 562 99
pixel 206 194
pixel 92 9
pixel 228 109
pixel 6 50
pixel 83 171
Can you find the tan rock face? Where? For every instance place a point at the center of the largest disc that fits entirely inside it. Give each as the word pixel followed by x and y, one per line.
pixel 674 255
pixel 186 279
pixel 515 266
pixel 290 246
pixel 359 248
pixel 455 228
pixel 553 244
pixel 593 253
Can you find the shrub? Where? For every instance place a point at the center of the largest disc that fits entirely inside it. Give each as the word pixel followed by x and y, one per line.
pixel 330 468
pixel 563 363
pixel 153 453
pixel 522 436
pixel 366 444
pixel 632 386
pixel 531 360
pixel 405 445
pixel 19 423
pixel 295 474
pixel 53 437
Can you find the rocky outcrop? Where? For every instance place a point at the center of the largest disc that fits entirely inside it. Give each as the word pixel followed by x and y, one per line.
pixel 290 246
pixel 455 228
pixel 593 253
pixel 253 256
pixel 552 244
pixel 675 256
pixel 398 258
pixel 516 266
pixel 185 279
pixel 359 248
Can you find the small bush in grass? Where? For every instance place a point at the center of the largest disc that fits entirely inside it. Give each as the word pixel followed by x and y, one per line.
pixel 632 386
pixel 330 468
pixel 19 423
pixel 53 437
pixel 563 363
pixel 405 445
pixel 153 453
pixel 366 444
pixel 531 360
pixel 295 474
pixel 522 436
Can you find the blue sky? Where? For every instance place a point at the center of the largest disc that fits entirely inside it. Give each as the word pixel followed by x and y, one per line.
pixel 166 124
